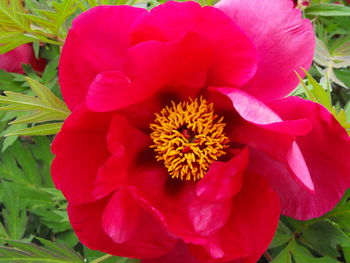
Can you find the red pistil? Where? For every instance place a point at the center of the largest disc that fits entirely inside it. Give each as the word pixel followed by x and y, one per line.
pixel 186 149
pixel 186 133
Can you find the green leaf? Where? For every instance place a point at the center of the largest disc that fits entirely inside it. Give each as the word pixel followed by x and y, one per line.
pixel 10 15
pixel 44 129
pixel 322 95
pixel 46 102
pixel 327 10
pixel 94 256
pixel 28 252
pixel 14 214
pixel 346 250
pixel 53 18
pixel 8 141
pixel 282 236
pixel 68 237
pixel 325 236
pixel 302 255
pixel 285 256
pixel 43 108
pixel 47 97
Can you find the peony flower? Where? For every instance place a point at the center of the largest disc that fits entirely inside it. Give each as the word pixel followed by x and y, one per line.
pixel 181 146
pixel 12 61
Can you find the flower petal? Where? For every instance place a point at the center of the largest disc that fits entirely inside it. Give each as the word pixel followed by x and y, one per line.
pixel 326 150
pixel 97 42
pixel 250 108
pixel 262 129
pixel 12 61
pixel 80 150
pixel 250 227
pixel 190 217
pixel 125 142
pixel 233 60
pixel 156 64
pixel 285 42
pixel 181 254
pixel 149 239
pixel 121 216
pixel 223 180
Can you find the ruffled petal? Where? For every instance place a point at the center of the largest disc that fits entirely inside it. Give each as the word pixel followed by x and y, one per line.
pixel 233 56
pixel 181 254
pixel 178 254
pixel 121 216
pixel 262 129
pixel 125 143
pixel 326 150
pixel 285 42
pixel 250 227
pixel 190 217
pixel 97 42
pixel 224 179
pixel 80 150
pixel 172 65
pixel 96 226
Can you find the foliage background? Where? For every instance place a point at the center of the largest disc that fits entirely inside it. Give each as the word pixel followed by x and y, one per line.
pixel 34 226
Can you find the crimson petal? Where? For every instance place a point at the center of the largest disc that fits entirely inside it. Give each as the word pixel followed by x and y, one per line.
pixel 97 42
pixel 285 42
pixel 326 150
pixel 80 150
pixel 148 238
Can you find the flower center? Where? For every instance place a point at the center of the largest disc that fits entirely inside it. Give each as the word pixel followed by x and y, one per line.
pixel 188 137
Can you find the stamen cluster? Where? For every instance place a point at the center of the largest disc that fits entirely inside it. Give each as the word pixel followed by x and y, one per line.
pixel 188 137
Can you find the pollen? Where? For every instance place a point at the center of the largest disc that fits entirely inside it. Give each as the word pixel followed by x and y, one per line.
pixel 187 137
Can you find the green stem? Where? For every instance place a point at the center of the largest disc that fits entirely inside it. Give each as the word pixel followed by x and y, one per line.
pixel 101 259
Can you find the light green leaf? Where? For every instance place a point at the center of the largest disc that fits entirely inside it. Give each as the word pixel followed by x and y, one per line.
pixel 322 95
pixel 47 97
pixel 94 256
pixel 327 10
pixel 44 107
pixel 285 256
pixel 10 15
pixel 44 129
pixel 28 252
pixel 302 255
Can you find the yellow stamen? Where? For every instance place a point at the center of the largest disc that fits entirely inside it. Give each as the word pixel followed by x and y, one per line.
pixel 188 137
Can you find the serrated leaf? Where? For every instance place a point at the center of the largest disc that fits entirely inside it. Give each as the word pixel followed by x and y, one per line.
pixel 43 108
pixel 10 15
pixel 28 252
pixel 8 141
pixel 94 256
pixel 14 214
pixel 47 97
pixel 44 129
pixel 54 18
pixel 60 249
pixel 36 118
pixel 322 95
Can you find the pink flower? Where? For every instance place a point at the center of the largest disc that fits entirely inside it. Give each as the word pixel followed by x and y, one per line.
pixel 12 61
pixel 180 146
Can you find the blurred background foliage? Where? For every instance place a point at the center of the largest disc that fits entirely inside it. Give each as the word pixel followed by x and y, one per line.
pixel 34 226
